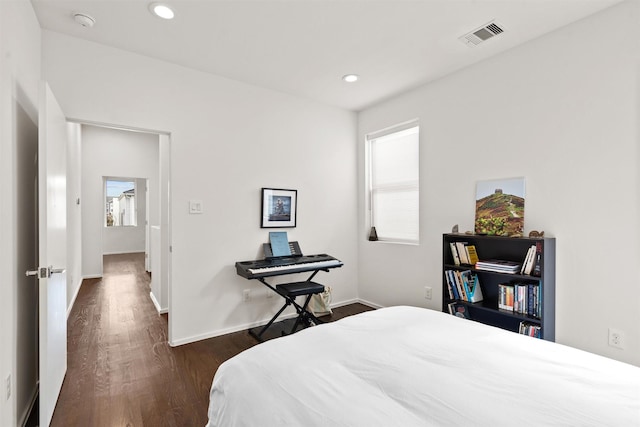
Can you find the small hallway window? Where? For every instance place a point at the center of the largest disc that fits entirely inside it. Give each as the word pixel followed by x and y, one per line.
pixel 120 202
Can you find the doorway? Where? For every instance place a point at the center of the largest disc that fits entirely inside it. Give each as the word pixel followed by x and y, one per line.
pixel 126 157
pixel 26 252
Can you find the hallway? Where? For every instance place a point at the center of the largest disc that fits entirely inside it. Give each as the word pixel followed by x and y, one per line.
pixel 121 369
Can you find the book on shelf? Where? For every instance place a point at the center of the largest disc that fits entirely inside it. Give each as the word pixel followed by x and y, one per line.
pixel 459 310
pixel 460 285
pixel 529 329
pixel 472 289
pixel 462 252
pixel 499 266
pixel 521 298
pixel 505 297
pixel 537 263
pixel 472 254
pixel 526 259
pixel 454 253
pixel 463 285
pixel 530 259
pixel 451 284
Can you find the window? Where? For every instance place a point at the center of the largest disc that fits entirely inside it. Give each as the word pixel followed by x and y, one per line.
pixel 394 187
pixel 120 202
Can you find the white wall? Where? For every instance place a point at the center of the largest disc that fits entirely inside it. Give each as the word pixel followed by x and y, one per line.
pixel 19 77
pixel 563 112
pixel 74 213
pixel 122 154
pixel 228 140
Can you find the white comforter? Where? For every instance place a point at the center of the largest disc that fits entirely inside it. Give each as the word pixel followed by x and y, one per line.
pixel 407 366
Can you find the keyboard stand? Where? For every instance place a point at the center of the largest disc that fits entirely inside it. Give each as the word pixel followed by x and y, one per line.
pixel 289 291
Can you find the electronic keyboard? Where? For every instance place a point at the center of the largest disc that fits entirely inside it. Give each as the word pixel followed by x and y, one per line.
pixel 285 265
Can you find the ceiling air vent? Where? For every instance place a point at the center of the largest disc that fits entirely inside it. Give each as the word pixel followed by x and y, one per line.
pixel 482 34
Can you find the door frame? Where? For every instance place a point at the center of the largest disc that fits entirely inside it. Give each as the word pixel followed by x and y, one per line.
pixel 164 141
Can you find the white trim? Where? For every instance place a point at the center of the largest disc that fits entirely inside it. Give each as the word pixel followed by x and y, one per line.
pixel 159 309
pixel 92 276
pixel 393 129
pixel 118 127
pixel 246 326
pixel 226 331
pixel 123 253
pixel 73 300
pixel 369 303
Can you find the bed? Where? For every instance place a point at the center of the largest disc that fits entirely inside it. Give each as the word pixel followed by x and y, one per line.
pixel 408 366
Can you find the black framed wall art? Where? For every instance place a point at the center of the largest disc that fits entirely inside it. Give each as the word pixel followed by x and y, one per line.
pixel 279 208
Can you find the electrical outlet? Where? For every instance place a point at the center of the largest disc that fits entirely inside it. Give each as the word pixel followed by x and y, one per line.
pixel 246 295
pixel 8 387
pixel 427 292
pixel 616 338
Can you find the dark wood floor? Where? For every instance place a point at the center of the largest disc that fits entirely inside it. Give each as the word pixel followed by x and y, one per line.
pixel 121 370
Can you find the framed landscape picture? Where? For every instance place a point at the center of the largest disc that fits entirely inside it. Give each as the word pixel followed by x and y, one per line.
pixel 279 208
pixel 500 207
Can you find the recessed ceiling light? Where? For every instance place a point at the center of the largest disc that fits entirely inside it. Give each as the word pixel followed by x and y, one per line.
pixel 350 78
pixel 162 10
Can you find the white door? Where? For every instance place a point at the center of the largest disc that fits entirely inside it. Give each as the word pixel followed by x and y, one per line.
pixel 52 235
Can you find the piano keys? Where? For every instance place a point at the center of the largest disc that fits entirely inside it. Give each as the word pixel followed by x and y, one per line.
pixel 285 265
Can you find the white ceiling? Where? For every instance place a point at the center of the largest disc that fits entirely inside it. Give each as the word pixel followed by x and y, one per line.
pixel 304 47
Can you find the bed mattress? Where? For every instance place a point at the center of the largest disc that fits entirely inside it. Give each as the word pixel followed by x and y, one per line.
pixel 408 366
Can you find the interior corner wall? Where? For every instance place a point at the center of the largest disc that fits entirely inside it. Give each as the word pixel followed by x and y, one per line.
pixel 123 154
pixel 561 111
pixel 228 140
pixel 20 50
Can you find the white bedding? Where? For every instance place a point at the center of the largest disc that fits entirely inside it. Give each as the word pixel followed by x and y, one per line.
pixel 407 366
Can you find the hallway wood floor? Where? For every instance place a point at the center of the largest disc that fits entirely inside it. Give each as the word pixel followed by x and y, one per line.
pixel 121 369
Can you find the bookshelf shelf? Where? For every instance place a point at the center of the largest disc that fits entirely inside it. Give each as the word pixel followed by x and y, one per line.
pixel 506 249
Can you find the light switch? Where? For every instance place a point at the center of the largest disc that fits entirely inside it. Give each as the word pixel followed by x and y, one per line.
pixel 195 206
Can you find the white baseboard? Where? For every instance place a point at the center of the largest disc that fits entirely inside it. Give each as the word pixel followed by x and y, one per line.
pixel 75 295
pixel 123 252
pixel 219 332
pixel 92 276
pixel 369 303
pixel 343 303
pixel 157 304
pixel 243 327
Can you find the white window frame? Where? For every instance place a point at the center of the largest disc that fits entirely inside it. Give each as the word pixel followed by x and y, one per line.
pixel 135 200
pixel 413 185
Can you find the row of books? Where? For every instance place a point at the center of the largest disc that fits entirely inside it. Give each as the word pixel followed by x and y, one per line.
pixel 525 328
pixel 463 285
pixel 463 253
pixel 524 298
pixel 532 263
pixel 529 329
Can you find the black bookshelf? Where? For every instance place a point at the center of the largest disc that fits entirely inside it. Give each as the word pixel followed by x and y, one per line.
pixel 507 249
